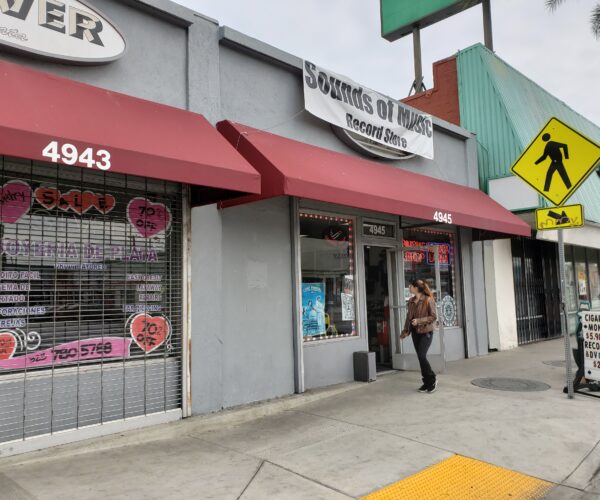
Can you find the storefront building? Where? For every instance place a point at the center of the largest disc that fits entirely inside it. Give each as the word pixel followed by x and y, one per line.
pixel 95 216
pixel 483 93
pixel 179 235
pixel 317 267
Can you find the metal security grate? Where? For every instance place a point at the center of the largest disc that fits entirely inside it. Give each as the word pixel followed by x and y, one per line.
pixel 537 293
pixel 90 297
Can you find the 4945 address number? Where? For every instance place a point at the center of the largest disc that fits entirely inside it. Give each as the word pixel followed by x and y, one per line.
pixel 444 217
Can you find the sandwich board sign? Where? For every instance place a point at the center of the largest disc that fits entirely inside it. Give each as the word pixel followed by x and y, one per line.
pixel 590 323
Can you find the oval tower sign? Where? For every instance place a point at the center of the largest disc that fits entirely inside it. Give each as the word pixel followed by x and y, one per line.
pixel 65 30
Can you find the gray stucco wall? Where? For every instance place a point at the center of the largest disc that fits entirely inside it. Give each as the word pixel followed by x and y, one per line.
pixel 257 92
pixel 330 362
pixel 474 305
pixel 154 66
pixel 241 299
pixel 242 343
pixel 261 94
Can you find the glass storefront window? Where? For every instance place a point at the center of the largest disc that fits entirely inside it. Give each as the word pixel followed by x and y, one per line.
pixel 594 277
pixel 328 277
pixel 421 265
pixel 581 274
pixel 571 290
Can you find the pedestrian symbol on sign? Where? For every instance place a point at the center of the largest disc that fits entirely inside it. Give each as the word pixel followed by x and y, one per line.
pixel 557 161
pixel 553 150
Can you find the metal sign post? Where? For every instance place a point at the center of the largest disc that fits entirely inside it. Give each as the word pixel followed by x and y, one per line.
pixel 573 157
pixel 438 302
pixel 563 313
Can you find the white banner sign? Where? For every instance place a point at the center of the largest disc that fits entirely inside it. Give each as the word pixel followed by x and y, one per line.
pixel 590 322
pixel 342 102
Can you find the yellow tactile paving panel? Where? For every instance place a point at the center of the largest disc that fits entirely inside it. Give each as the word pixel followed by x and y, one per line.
pixel 463 478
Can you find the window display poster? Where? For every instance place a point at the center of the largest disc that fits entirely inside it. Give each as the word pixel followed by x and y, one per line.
pixel 313 309
pixel 582 279
pixel 347 307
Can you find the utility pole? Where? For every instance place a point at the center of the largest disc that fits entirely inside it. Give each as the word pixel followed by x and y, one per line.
pixel 418 85
pixel 487 25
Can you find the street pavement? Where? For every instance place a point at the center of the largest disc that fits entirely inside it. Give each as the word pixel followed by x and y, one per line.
pixel 338 443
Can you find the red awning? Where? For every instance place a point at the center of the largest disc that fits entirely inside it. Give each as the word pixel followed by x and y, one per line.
pixel 142 137
pixel 292 168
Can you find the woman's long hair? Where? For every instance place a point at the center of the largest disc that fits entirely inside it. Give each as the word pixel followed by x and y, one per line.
pixel 422 287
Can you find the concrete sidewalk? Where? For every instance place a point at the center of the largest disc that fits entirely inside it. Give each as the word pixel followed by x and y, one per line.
pixel 340 443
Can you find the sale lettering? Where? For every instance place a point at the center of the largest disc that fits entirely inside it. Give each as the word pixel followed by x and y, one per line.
pixel 77 201
pixel 149 332
pixel 148 218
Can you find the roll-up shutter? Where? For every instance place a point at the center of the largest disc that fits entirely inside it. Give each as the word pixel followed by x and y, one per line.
pixel 90 297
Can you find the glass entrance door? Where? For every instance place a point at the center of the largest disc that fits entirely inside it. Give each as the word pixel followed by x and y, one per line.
pixel 404 356
pixel 381 286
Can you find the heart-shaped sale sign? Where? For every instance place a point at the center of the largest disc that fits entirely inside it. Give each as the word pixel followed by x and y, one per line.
pixel 8 344
pixel 15 201
pixel 77 201
pixel 149 332
pixel 47 196
pixel 148 218
pixel 105 203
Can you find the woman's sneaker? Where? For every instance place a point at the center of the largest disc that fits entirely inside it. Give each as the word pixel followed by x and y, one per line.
pixel 423 388
pixel 433 387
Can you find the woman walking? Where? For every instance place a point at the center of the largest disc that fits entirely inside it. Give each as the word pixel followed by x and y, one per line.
pixel 419 322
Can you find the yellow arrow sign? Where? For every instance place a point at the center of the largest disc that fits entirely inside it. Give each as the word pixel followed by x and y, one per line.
pixel 557 161
pixel 559 217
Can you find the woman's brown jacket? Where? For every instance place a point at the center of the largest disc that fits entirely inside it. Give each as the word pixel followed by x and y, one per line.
pixel 423 310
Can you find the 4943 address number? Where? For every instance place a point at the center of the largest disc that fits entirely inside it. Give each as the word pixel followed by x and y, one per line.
pixel 70 155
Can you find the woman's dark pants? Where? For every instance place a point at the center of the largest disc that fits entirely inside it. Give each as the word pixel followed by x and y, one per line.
pixel 422 342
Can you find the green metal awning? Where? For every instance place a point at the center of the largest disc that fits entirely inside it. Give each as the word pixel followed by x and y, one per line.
pixel 507 110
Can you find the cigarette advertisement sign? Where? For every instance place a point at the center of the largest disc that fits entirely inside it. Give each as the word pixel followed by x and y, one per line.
pixel 590 322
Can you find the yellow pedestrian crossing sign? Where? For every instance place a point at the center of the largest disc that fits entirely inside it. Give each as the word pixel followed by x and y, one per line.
pixel 559 217
pixel 557 161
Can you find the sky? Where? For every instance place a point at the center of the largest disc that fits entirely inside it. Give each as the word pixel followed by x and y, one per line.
pixel 556 49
